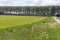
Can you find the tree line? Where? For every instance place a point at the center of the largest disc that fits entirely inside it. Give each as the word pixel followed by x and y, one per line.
pixel 29 10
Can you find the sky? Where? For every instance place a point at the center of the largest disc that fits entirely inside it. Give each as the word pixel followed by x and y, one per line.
pixel 29 2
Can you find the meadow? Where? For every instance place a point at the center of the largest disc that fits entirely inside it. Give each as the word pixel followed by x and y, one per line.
pixel 42 28
pixel 12 21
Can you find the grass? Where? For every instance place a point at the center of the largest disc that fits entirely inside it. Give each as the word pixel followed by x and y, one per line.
pixel 12 21
pixel 46 29
pixel 58 17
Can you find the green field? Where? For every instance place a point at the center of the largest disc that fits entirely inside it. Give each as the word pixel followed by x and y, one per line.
pixel 12 21
pixel 36 28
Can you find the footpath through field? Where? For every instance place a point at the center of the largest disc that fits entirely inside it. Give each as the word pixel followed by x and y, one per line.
pixel 56 19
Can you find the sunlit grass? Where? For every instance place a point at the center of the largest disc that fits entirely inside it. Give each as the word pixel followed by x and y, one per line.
pixel 46 29
pixel 10 21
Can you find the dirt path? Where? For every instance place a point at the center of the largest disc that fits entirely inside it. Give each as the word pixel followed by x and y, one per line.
pixel 56 19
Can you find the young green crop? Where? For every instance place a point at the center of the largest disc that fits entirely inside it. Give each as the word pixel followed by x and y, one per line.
pixel 10 21
pixel 46 29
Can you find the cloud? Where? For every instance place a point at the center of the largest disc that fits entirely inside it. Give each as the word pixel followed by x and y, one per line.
pixel 29 2
pixel 49 2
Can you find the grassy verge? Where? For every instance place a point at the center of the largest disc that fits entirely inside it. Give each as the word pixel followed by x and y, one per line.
pixel 46 29
pixel 58 17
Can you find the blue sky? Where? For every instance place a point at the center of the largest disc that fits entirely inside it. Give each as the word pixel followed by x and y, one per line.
pixel 29 2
